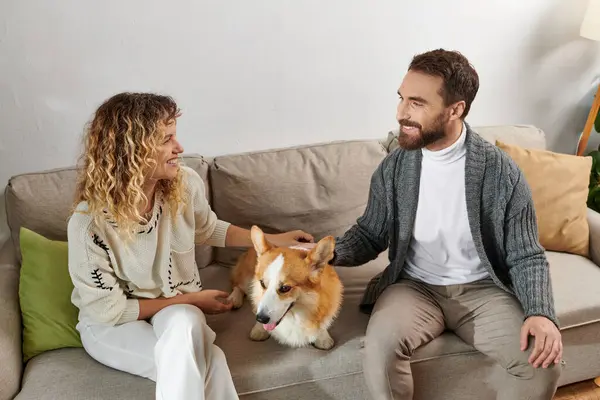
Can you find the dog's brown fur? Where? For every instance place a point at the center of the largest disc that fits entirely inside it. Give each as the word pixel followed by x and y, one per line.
pixel 314 296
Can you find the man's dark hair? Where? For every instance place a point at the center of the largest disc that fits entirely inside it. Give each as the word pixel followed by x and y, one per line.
pixel 461 81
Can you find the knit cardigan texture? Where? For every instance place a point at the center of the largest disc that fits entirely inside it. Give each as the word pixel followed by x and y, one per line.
pixel 501 217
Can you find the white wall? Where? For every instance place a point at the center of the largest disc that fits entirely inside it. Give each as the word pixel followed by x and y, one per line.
pixel 260 74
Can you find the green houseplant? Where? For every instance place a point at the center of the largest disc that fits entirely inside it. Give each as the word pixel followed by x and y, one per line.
pixel 593 200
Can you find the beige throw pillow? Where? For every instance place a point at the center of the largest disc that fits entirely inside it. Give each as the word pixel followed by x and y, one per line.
pixel 559 186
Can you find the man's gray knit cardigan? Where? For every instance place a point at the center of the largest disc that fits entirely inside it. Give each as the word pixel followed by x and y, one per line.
pixel 501 217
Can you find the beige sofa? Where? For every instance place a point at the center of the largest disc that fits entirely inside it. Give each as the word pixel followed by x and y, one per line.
pixel 322 189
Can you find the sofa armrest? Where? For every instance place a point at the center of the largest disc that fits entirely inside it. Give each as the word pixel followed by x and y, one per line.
pixel 593 218
pixel 11 364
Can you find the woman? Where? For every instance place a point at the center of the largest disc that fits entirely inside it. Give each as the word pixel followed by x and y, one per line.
pixel 138 215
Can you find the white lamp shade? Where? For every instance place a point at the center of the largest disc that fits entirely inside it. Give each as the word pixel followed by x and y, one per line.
pixel 590 27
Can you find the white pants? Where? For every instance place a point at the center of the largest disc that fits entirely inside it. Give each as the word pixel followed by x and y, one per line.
pixel 176 350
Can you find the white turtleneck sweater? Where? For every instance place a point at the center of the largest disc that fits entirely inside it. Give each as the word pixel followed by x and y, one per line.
pixel 442 251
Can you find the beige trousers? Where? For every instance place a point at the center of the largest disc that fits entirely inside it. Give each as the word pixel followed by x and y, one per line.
pixel 410 314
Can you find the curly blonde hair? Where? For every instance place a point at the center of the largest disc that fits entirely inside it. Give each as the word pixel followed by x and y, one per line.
pixel 120 149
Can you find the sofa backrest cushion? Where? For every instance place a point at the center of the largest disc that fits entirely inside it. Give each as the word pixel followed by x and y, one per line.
pixel 321 189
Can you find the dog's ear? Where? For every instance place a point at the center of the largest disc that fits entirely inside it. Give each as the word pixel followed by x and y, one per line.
pixel 322 253
pixel 261 245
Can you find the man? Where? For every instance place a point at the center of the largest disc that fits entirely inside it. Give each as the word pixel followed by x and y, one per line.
pixel 460 225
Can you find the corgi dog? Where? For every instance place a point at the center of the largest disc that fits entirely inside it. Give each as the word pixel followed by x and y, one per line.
pixel 294 292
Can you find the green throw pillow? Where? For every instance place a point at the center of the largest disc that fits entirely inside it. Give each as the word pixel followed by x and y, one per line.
pixel 49 317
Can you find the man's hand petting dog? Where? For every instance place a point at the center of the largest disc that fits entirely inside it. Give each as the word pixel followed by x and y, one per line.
pixel 210 301
pixel 547 347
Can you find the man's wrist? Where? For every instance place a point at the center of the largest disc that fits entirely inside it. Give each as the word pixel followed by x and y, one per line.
pixel 547 317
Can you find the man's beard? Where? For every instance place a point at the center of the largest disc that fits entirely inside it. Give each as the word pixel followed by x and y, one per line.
pixel 424 137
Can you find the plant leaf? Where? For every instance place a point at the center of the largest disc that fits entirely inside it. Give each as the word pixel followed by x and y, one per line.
pixel 597 123
pixel 593 200
pixel 595 170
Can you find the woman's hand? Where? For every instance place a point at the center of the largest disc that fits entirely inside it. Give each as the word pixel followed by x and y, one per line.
pixel 210 301
pixel 292 238
pixel 306 246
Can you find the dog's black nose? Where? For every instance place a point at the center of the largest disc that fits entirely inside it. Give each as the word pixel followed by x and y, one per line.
pixel 262 318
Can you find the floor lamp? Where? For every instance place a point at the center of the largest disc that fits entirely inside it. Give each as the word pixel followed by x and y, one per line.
pixel 590 28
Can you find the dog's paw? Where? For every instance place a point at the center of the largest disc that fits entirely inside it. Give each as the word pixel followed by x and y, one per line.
pixel 236 298
pixel 324 342
pixel 258 333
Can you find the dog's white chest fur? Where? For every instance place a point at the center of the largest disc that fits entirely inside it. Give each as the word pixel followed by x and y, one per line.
pixel 292 332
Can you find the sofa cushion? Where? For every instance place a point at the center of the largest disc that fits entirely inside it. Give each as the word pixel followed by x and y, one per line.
pixel 321 189
pixel 576 287
pixel 48 315
pixel 259 366
pixel 71 374
pixel 42 202
pixel 527 136
pixel 262 366
pixel 559 189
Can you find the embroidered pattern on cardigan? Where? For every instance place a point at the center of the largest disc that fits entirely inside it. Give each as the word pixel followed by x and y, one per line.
pixel 182 283
pixel 98 242
pixel 152 226
pixel 169 272
pixel 96 274
pixel 128 289
pixel 97 278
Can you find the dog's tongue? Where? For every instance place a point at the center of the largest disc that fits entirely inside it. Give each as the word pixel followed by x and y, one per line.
pixel 269 327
